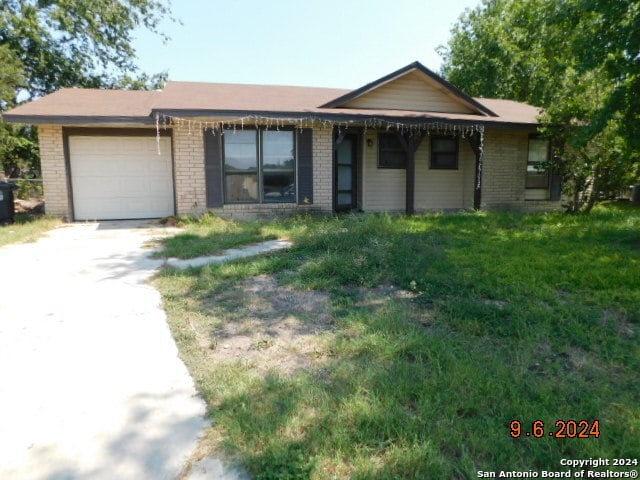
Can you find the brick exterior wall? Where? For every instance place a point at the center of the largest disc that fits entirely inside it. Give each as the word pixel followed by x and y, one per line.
pixel 188 168
pixel 54 171
pixel 504 168
pixel 323 169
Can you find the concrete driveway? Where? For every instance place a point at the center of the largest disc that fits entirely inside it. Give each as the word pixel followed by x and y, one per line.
pixel 90 383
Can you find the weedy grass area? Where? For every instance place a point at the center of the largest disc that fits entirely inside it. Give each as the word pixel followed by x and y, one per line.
pixel 27 228
pixel 413 343
pixel 211 234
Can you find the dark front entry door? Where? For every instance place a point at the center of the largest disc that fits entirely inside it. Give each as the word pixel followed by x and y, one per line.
pixel 345 173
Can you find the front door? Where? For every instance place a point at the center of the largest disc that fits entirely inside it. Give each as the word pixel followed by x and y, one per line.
pixel 345 173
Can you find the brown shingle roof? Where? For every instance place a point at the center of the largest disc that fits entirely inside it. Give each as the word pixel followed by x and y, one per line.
pixel 226 96
pixel 511 111
pixel 86 102
pixel 85 106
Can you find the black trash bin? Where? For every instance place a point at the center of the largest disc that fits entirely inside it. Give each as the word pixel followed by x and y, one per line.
pixel 7 207
pixel 635 194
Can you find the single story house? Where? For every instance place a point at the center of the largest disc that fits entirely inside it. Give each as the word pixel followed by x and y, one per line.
pixel 407 142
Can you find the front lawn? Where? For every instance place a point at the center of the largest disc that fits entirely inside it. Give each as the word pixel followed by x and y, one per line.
pixel 405 347
pixel 27 228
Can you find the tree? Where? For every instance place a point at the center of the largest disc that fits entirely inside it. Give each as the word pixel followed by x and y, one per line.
pixel 46 45
pixel 580 61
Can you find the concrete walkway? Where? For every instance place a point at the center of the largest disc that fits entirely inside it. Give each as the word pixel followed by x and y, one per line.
pixel 231 254
pixel 90 383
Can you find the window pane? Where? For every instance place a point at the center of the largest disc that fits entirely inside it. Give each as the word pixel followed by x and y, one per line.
pixel 345 199
pixel 444 144
pixel 444 160
pixel 537 177
pixel 240 152
pixel 278 166
pixel 344 178
pixel 538 150
pixel 536 180
pixel 389 142
pixel 279 186
pixel 278 150
pixel 390 152
pixel 241 187
pixel 444 152
pixel 345 152
pixel 535 168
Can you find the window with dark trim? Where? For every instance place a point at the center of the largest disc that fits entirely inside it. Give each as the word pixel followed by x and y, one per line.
pixel 444 152
pixel 390 152
pixel 537 176
pixel 259 166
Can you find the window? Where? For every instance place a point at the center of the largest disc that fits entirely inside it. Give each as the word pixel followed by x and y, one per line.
pixel 444 152
pixel 537 176
pixel 241 166
pixel 278 166
pixel 259 166
pixel 390 152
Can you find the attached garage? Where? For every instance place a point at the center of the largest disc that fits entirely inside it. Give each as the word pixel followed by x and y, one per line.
pixel 120 177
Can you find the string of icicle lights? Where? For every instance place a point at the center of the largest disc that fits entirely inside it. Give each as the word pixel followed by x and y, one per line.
pixel 257 121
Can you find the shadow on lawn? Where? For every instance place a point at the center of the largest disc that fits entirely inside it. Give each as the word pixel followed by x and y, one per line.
pixel 525 316
pixel 398 399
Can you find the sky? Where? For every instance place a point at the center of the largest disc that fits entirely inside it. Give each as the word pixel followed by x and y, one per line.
pixel 328 43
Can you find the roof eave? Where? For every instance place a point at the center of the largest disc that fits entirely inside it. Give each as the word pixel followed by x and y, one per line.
pixel 235 115
pixel 341 116
pixel 76 119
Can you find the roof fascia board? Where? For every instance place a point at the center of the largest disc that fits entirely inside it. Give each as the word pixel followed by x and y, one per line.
pixel 236 115
pixel 340 101
pixel 75 120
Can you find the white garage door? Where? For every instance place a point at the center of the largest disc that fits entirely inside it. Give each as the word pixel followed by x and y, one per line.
pixel 121 177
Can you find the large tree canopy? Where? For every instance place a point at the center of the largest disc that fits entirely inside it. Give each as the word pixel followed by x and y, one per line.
pixel 580 61
pixel 49 44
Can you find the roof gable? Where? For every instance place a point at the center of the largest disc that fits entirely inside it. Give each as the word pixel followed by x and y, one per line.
pixel 415 88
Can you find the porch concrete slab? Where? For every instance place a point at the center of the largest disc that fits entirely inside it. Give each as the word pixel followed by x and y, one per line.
pixel 91 386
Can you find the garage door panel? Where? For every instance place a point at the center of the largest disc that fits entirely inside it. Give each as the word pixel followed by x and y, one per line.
pixel 121 177
pixel 90 187
pixel 156 186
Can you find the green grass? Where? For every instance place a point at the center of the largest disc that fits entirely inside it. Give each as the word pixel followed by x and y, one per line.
pixel 210 234
pixel 27 228
pixel 511 317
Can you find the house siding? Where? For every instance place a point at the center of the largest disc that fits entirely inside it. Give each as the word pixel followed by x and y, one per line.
pixel 444 189
pixel 384 188
pixel 410 92
pixel 55 174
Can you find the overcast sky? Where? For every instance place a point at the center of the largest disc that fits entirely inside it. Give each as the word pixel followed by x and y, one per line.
pixel 328 43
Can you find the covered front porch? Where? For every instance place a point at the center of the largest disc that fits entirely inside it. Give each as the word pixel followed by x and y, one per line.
pixel 407 167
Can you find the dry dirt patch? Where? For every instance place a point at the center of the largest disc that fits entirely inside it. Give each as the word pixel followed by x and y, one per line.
pixel 267 326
